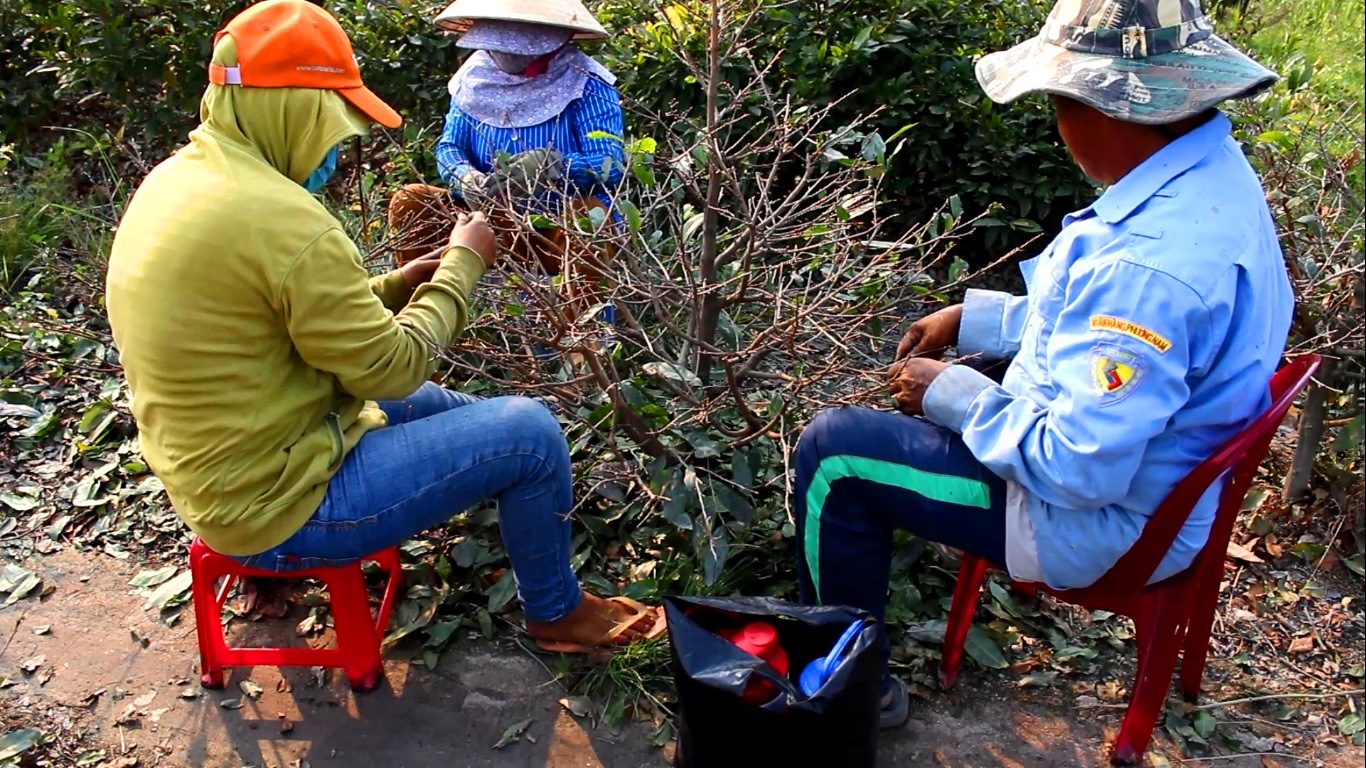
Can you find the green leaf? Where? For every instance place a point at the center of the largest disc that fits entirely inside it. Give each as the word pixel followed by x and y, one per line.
pixel 714 541
pixel 438 635
pixel 149 579
pixel 1351 724
pixel 645 174
pixel 1204 724
pixel 704 447
pixel 672 372
pixel 729 500
pixel 928 631
pixel 463 553
pixel 740 471
pixel 18 503
pixel 678 500
pixel 14 409
pixel 501 593
pixel 984 650
pixel 92 417
pixel 41 426
pixel 513 733
pixel 24 587
pixel 1254 498
pixel 16 743
pixel 957 269
pixel 170 593
pixel 1002 596
pixel 632 214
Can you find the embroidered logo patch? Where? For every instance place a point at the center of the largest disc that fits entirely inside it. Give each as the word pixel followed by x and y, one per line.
pixel 1147 336
pixel 1115 373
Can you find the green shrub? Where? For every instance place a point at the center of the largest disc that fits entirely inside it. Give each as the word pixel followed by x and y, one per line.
pixel 137 69
pixel 908 64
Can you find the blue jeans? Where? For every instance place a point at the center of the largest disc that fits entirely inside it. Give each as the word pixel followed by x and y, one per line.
pixel 443 452
pixel 861 474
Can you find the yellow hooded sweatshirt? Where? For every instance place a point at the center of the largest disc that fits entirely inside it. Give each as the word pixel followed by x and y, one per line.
pixel 249 330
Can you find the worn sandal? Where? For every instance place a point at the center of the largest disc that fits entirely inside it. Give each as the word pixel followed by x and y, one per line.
pixel 606 645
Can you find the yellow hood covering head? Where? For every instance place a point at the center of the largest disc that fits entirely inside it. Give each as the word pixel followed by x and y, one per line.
pixel 292 129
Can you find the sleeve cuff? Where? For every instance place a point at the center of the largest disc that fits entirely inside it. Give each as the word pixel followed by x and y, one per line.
pixel 979 332
pixel 951 394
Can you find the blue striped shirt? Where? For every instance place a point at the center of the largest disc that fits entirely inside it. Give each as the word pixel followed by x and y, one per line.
pixel 593 166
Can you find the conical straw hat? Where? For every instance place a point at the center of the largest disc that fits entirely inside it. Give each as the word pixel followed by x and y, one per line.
pixel 569 14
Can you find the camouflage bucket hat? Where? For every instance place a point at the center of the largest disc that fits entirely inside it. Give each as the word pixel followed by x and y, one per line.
pixel 1143 61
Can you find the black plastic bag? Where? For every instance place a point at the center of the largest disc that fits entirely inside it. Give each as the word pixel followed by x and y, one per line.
pixel 838 726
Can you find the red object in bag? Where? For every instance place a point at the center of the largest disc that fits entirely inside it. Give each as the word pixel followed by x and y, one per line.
pixel 759 638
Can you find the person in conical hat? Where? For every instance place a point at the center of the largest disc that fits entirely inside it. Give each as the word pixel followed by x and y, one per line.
pixel 529 93
pixel 1152 325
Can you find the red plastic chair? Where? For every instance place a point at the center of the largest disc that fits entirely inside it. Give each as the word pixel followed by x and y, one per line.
pixel 358 635
pixel 1171 618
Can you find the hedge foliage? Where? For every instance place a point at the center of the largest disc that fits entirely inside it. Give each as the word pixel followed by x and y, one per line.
pixel 136 71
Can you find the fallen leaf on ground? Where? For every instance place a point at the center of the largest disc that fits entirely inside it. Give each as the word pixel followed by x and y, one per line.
pixel 16 743
pixel 170 593
pixel 286 725
pixel 579 706
pixel 129 716
pixel 251 689
pixel 191 693
pixel 1302 645
pixel 29 666
pixel 144 699
pixel 1239 552
pixel 43 630
pixel 231 704
pixel 513 734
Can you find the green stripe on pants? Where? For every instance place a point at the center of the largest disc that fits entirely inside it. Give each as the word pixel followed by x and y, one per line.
pixel 949 489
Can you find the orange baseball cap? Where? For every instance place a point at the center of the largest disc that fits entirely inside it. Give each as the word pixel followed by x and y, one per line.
pixel 296 44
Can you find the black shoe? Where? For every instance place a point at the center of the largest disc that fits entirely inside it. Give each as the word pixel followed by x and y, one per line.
pixel 896 704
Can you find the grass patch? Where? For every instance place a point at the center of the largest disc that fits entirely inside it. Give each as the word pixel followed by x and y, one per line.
pixel 1327 34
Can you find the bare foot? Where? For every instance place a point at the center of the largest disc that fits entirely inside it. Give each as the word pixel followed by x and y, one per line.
pixel 264 596
pixel 591 622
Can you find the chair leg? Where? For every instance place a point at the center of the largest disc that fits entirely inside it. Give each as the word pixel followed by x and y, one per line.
pixel 1198 629
pixel 1159 644
pixel 389 562
pixel 971 572
pixel 356 635
pixel 208 623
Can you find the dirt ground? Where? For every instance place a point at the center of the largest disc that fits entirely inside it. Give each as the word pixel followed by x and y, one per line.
pixel 116 674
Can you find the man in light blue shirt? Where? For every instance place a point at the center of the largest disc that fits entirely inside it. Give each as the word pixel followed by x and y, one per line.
pixel 1152 325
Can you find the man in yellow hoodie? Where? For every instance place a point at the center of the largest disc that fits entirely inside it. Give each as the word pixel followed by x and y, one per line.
pixel 282 395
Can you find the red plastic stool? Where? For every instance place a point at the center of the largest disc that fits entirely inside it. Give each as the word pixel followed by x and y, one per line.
pixel 358 635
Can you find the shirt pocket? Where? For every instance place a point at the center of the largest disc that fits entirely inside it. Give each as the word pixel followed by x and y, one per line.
pixel 1046 299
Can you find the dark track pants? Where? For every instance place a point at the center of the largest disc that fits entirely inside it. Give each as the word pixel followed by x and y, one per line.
pixel 861 474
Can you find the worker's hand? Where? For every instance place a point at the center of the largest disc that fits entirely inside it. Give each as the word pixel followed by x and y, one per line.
pixel 931 335
pixel 472 184
pixel 472 231
pixel 420 270
pixel 526 174
pixel 910 379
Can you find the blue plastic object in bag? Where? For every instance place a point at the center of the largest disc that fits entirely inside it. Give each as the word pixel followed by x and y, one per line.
pixel 819 671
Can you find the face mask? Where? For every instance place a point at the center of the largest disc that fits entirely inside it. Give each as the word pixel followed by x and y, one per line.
pixel 512 63
pixel 315 181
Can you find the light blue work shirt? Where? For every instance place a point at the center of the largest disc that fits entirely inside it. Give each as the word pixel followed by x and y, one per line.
pixel 1151 328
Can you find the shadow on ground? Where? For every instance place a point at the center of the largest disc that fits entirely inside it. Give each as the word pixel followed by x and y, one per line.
pixel 144 701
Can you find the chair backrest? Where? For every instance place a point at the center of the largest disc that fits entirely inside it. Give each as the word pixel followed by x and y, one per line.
pixel 1243 453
